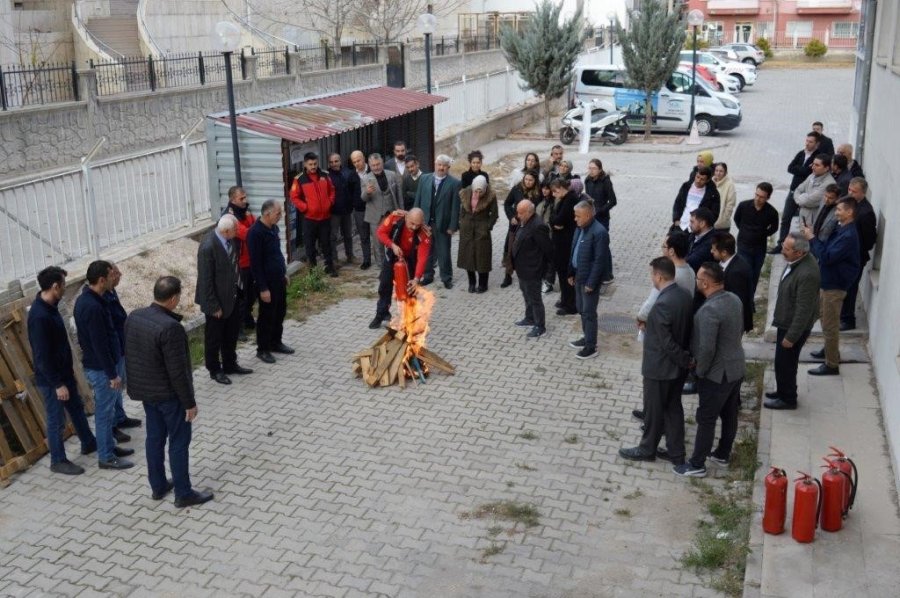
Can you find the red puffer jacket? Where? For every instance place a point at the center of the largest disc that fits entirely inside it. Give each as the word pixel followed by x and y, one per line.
pixel 313 195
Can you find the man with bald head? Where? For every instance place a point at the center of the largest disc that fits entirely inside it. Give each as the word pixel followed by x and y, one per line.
pixel 846 150
pixel 404 238
pixel 354 190
pixel 531 251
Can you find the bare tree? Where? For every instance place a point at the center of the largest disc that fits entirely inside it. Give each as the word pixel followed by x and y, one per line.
pixel 387 20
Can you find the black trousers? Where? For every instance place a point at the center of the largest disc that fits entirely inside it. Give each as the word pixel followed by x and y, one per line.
pixel 716 399
pixel 663 412
pixel 386 284
pixel 786 361
pixel 220 340
pixel 848 309
pixel 566 291
pixel 318 230
pixel 790 210
pixel 534 303
pixel 270 321
pixel 248 297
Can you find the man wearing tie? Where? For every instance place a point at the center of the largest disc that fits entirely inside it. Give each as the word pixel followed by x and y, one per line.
pixel 219 284
pixel 438 197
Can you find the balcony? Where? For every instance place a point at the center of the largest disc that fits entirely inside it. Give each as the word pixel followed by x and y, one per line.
pixel 824 7
pixel 732 7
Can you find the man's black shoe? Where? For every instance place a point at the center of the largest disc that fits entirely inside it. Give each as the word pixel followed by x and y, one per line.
pixel 778 404
pixel 820 354
pixel 67 468
pixel 536 332
pixel 525 323
pixel 635 454
pixel 265 356
pixel 481 290
pixel 562 311
pixel 773 395
pixel 221 377
pixel 194 498
pixel 448 284
pixel 471 288
pixel 637 414
pixel 120 436
pixel 122 452
pixel 845 326
pixel 689 388
pixel 507 281
pixel 282 348
pixel 129 422
pixel 663 454
pixel 238 370
pixel 89 450
pixel 116 463
pixel 159 496
pixel 426 281
pixel 824 370
pixel 365 265
pixel 375 324
pixel 558 304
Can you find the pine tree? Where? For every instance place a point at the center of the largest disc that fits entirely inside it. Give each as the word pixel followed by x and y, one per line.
pixel 650 50
pixel 545 53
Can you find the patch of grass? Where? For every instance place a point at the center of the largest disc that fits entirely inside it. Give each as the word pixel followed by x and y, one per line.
pixel 759 316
pixel 495 530
pixel 744 463
pixel 755 378
pixel 689 420
pixel 528 435
pixel 636 494
pixel 506 510
pixel 623 512
pixel 510 484
pixel 491 550
pixel 602 385
pixel 612 434
pixel 526 467
pixel 195 346
pixel 571 439
pixel 590 374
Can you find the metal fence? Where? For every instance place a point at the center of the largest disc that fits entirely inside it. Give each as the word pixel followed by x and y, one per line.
pixel 272 63
pixel 22 85
pixel 69 215
pixel 443 46
pixel 473 97
pixel 170 71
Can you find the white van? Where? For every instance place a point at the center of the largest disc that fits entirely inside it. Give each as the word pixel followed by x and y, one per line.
pixel 604 85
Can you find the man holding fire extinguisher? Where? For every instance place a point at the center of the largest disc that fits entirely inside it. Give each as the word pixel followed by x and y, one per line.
pixel 406 238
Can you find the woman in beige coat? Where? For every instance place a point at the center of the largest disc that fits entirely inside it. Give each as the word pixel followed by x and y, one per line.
pixel 727 195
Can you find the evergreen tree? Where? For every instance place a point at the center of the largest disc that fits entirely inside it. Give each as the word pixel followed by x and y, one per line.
pixel 545 53
pixel 650 50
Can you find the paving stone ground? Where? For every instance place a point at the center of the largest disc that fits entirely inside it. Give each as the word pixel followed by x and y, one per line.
pixel 327 488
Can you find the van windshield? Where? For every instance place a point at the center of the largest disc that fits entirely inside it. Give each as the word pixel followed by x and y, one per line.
pixel 602 78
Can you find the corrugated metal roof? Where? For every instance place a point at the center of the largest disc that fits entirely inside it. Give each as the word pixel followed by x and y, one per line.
pixel 315 118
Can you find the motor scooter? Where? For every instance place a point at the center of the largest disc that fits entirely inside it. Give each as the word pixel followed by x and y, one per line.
pixel 609 126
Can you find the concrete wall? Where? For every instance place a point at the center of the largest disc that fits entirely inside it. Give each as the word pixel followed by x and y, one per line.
pixel 188 25
pixel 40 32
pixel 452 67
pixel 48 137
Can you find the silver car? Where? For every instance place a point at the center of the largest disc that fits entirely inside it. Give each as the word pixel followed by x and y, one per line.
pixel 747 53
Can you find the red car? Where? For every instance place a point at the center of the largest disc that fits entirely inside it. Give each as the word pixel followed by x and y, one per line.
pixel 702 71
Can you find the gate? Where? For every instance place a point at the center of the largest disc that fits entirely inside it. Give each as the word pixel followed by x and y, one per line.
pixel 396 70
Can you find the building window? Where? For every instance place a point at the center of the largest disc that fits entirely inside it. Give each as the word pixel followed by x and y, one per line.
pixel 713 32
pixel 844 30
pixel 764 29
pixel 799 29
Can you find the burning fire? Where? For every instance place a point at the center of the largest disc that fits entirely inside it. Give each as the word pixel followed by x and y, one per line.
pixel 413 319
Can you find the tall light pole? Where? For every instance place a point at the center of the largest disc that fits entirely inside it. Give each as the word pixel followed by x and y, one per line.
pixel 427 23
pixel 612 20
pixel 694 19
pixel 227 38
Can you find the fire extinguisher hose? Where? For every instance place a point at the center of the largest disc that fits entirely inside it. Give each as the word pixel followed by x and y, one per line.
pixel 821 497
pixel 854 484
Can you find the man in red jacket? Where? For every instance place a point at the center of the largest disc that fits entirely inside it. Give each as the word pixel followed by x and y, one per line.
pixel 238 206
pixel 405 236
pixel 313 195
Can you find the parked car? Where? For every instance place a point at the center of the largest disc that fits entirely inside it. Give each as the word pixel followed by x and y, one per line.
pixel 747 53
pixel 745 73
pixel 723 53
pixel 605 86
pixel 716 78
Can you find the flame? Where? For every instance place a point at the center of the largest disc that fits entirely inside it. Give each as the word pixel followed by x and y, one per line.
pixel 415 313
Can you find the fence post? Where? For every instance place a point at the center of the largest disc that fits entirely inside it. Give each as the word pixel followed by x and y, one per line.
pixel 457 43
pixel 287 60
pixel 90 208
pixel 325 51
pixel 202 69
pixel 487 91
pixel 353 53
pixel 185 172
pixel 75 93
pixel 827 32
pixel 465 103
pixel 243 65
pixel 2 89
pixel 151 72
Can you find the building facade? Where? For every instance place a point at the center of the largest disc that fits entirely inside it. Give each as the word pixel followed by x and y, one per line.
pixel 785 23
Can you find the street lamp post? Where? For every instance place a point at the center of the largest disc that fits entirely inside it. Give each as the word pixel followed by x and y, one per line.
pixel 694 19
pixel 227 38
pixel 427 23
pixel 612 19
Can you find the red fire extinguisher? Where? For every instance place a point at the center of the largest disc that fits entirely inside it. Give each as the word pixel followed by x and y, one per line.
pixel 834 483
pixel 775 509
pixel 848 467
pixel 401 279
pixel 807 508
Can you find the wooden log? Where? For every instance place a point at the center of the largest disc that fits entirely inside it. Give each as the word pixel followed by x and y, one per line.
pixel 390 355
pixel 364 353
pixel 432 359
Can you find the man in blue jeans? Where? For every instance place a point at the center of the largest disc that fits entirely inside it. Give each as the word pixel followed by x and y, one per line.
pixel 101 355
pixel 588 267
pixel 119 315
pixel 53 371
pixel 158 365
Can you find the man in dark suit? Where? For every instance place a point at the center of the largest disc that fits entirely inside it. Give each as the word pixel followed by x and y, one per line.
pixel 738 275
pixel 397 162
pixel 342 210
pixel 800 168
pixel 532 250
pixel 270 273
pixel 796 310
pixel 720 368
pixel 411 179
pixel 701 192
pixel 867 229
pixel 665 363
pixel 438 196
pixel 826 145
pixel 588 262
pixel 219 286
pixel 700 243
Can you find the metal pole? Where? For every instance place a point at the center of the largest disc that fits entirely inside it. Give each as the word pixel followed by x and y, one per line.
pixel 693 81
pixel 91 200
pixel 863 100
pixel 185 176
pixel 428 62
pixel 610 43
pixel 229 85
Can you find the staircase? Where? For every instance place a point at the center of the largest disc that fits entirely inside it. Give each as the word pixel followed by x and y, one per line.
pixel 119 31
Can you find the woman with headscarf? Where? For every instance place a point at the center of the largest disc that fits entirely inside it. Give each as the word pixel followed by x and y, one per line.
pixel 704 158
pixel 727 196
pixel 475 158
pixel 565 171
pixel 532 163
pixel 477 215
pixel 562 223
pixel 526 189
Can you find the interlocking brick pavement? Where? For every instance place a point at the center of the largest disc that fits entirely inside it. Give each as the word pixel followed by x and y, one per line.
pixel 325 487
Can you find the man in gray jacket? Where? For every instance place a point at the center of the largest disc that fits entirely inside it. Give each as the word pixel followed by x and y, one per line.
pixel 811 192
pixel 719 364
pixel 382 192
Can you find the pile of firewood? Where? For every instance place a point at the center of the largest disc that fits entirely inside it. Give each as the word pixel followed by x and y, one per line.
pixel 394 360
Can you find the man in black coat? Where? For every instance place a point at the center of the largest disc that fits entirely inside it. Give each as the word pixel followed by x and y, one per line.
pixel 700 244
pixel 219 285
pixel 270 273
pixel 826 145
pixel 158 366
pixel 867 229
pixel 119 315
pixel 738 275
pixel 342 210
pixel 666 358
pixel 532 250
pixel 800 167
pixel 701 192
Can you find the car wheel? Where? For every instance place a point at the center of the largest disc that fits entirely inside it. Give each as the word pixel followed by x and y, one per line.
pixel 741 81
pixel 704 125
pixel 749 60
pixel 567 135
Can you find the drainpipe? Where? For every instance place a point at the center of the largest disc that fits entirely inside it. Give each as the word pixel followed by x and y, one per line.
pixel 863 100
